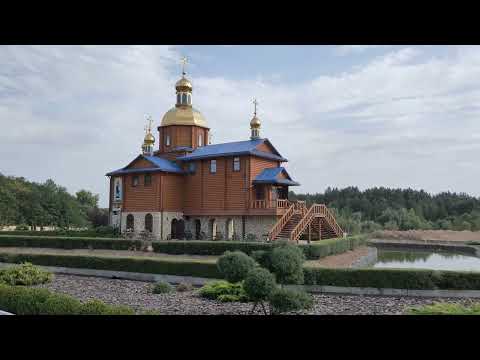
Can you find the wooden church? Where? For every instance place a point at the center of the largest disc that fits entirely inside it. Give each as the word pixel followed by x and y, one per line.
pixel 190 189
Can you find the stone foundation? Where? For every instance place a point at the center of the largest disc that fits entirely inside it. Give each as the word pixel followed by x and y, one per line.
pixel 227 227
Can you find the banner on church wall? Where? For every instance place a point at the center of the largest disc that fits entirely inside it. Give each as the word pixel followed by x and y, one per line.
pixel 117 189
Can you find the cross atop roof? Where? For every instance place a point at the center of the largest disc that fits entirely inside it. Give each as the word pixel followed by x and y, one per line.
pixel 255 103
pixel 184 62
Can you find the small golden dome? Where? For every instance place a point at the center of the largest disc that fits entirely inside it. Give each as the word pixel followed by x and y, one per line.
pixel 149 138
pixel 255 122
pixel 183 85
pixel 184 115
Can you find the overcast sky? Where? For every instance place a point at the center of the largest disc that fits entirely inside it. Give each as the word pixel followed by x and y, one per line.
pixel 395 116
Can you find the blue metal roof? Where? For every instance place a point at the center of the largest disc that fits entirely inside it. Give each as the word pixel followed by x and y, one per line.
pixel 247 147
pixel 269 176
pixel 159 164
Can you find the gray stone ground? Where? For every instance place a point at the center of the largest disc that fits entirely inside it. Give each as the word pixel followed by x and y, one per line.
pixel 137 294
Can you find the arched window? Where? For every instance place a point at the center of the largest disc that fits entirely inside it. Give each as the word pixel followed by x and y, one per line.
pixel 173 231
pixel 167 140
pixel 229 229
pixel 184 99
pixel 212 229
pixel 130 222
pixel 179 98
pixel 200 140
pixel 198 229
pixel 189 99
pixel 149 223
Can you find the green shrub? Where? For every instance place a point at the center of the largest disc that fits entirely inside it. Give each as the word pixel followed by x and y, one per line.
pixel 25 274
pixel 57 242
pixel 224 291
pixel 162 288
pixel 184 286
pixel 262 257
pixel 285 300
pixel 443 308
pixel 259 284
pixel 393 278
pixel 201 247
pixel 235 265
pixel 286 264
pixel 33 301
pixel 200 268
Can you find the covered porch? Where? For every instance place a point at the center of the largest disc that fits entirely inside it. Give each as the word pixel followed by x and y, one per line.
pixel 269 192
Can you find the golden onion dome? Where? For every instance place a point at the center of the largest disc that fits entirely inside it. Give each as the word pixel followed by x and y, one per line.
pixel 183 85
pixel 184 115
pixel 149 138
pixel 255 122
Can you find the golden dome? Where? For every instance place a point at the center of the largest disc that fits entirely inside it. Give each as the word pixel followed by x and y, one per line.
pixel 255 122
pixel 149 138
pixel 183 84
pixel 184 115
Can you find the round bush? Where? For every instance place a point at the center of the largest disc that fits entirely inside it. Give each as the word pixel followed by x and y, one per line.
pixel 224 291
pixel 259 284
pixel 25 274
pixel 162 288
pixel 235 265
pixel 286 263
pixel 284 300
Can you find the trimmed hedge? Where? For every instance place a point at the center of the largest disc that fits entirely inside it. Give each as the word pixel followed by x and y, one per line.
pixel 198 268
pixel 65 242
pixel 393 278
pixel 31 301
pixel 86 233
pixel 312 251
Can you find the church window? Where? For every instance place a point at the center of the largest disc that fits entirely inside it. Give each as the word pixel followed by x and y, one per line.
pixel 200 140
pixel 184 99
pixel 135 180
pixel 189 99
pixel 148 179
pixel 213 166
pixel 149 222
pixel 179 98
pixel 167 140
pixel 236 164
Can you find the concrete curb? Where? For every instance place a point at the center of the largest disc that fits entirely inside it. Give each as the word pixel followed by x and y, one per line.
pixel 317 289
pixel 425 245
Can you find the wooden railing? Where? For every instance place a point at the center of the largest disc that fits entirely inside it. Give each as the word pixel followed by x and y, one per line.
pixel 270 204
pixel 316 210
pixel 277 228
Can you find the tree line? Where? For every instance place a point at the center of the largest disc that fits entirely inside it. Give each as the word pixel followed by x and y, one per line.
pixel 37 205
pixel 398 209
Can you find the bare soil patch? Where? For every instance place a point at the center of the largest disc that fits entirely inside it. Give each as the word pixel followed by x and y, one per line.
pixel 343 260
pixel 425 235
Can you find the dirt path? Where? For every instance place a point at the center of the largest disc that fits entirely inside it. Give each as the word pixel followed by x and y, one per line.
pixel 343 260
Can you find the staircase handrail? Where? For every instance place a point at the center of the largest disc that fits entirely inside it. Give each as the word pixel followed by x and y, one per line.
pixel 277 228
pixel 315 209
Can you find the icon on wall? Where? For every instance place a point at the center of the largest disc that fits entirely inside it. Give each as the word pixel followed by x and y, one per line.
pixel 117 189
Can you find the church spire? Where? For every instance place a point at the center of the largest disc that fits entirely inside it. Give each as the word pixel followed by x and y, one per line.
pixel 149 140
pixel 255 123
pixel 184 88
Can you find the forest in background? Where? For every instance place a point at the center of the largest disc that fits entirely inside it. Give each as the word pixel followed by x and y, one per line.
pixel 25 203
pixel 397 209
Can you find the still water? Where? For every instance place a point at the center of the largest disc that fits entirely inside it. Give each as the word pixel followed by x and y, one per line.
pixel 426 260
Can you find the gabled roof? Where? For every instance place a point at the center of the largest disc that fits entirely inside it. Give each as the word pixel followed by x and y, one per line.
pixel 248 147
pixel 158 164
pixel 271 176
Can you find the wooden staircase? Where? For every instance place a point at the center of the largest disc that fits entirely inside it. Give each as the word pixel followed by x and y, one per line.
pixel 298 220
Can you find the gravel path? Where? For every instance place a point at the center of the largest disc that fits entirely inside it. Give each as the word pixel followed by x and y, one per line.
pixel 137 294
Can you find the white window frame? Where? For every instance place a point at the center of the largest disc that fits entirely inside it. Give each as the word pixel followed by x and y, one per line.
pixel 213 166
pixel 236 162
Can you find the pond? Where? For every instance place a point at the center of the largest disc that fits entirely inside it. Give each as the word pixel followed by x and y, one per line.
pixel 433 260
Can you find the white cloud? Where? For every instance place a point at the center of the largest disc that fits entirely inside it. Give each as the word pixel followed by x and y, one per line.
pixel 343 50
pixel 404 119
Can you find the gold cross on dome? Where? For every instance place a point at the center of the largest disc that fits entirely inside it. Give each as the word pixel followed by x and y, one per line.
pixel 184 62
pixel 255 103
pixel 148 128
